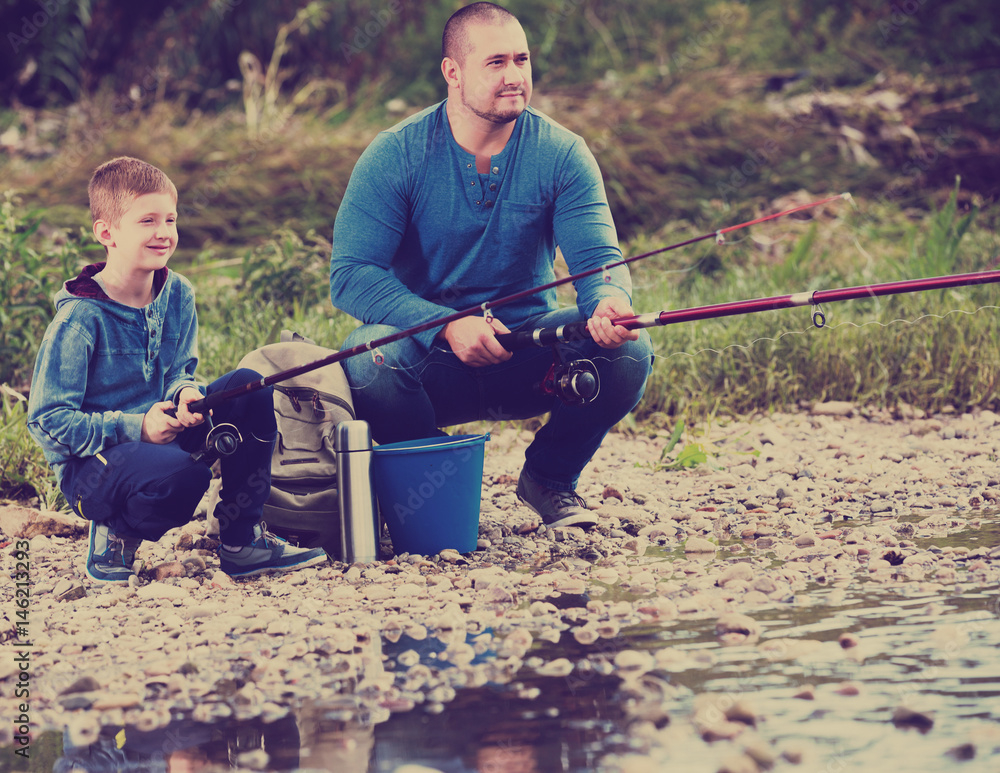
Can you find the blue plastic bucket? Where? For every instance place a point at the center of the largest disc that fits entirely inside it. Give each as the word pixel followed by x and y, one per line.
pixel 429 492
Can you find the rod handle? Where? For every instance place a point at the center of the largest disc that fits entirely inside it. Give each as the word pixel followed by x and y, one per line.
pixel 549 336
pixel 205 404
pixel 543 336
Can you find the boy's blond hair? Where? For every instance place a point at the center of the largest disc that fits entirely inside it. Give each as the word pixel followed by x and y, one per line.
pixel 115 184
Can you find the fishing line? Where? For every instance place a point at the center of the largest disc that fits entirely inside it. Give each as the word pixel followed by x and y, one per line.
pixel 415 371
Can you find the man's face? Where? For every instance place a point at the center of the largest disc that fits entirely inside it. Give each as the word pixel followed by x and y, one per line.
pixel 496 73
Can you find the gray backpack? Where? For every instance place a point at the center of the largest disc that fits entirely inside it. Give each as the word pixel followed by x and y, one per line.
pixel 303 506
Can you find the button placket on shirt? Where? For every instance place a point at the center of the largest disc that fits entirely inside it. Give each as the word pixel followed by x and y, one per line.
pixel 153 333
pixel 491 187
pixel 473 184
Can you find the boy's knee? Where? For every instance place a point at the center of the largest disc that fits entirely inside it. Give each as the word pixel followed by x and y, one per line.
pixel 242 377
pixel 261 401
pixel 199 476
pixel 257 403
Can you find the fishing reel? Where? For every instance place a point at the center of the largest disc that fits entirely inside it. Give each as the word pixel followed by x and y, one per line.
pixel 221 440
pixel 574 383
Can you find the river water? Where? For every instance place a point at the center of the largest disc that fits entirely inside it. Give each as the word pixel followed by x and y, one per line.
pixel 850 675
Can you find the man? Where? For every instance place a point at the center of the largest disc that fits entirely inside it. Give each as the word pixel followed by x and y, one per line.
pixel 463 203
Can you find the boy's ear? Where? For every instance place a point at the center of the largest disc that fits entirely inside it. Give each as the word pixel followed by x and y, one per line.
pixel 102 231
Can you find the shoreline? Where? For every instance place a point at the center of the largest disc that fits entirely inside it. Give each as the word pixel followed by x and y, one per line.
pixel 782 504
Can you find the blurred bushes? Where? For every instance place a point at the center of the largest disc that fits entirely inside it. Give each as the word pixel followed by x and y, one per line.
pixel 59 50
pixel 685 90
pixel 697 111
pixel 32 268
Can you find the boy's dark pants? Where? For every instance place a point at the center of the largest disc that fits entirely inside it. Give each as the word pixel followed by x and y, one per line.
pixel 144 489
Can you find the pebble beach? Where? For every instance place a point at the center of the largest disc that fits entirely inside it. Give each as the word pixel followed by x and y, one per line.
pixel 787 511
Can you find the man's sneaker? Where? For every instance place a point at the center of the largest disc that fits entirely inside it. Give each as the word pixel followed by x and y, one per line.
pixel 267 553
pixel 110 556
pixel 557 508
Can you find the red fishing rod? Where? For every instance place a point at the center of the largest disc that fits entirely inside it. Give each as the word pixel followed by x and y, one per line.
pixel 578 330
pixel 576 382
pixel 209 402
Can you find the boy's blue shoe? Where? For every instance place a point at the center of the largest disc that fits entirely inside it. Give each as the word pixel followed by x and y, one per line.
pixel 110 556
pixel 267 553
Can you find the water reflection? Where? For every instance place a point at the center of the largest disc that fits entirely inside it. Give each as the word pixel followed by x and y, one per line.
pixel 531 725
pixel 185 746
pixel 534 726
pixel 831 702
pixel 933 654
pixel 541 725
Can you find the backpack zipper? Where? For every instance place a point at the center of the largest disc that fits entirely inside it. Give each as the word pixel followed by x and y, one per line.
pixel 317 397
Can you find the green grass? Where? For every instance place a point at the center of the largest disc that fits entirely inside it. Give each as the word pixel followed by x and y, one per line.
pixel 32 268
pixel 931 349
pixel 24 473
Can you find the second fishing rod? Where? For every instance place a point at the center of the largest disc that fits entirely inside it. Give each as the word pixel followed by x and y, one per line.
pixel 371 348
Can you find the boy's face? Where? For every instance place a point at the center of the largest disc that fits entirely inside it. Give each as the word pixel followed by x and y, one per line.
pixel 147 235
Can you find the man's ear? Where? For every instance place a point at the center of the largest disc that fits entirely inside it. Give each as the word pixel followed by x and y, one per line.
pixel 102 232
pixel 452 72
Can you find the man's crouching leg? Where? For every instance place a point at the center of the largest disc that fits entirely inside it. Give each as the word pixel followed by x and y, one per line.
pixel 564 446
pixel 386 386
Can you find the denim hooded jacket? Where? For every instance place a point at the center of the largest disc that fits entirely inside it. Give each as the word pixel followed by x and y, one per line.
pixel 101 365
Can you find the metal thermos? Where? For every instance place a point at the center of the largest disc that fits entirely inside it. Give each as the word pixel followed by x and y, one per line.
pixel 356 492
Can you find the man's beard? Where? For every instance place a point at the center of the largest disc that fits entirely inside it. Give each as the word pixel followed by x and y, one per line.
pixel 496 116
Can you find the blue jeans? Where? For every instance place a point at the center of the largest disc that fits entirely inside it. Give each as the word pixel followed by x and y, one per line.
pixel 414 392
pixel 145 489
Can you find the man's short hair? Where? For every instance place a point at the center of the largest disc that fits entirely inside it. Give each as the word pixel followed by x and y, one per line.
pixel 115 184
pixel 455 40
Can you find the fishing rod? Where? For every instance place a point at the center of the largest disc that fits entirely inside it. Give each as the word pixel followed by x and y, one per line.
pixel 576 382
pixel 209 402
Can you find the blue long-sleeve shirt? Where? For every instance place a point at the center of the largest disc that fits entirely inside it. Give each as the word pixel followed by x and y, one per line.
pixel 420 233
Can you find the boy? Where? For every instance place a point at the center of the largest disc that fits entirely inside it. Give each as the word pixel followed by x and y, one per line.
pixel 111 388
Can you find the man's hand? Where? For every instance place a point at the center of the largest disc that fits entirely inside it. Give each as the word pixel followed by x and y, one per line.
pixel 606 334
pixel 474 340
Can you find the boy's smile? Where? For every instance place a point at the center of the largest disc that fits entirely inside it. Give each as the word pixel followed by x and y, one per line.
pixel 146 237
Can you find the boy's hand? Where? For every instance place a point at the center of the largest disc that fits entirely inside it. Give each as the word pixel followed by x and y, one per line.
pixel 159 426
pixel 601 329
pixel 184 415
